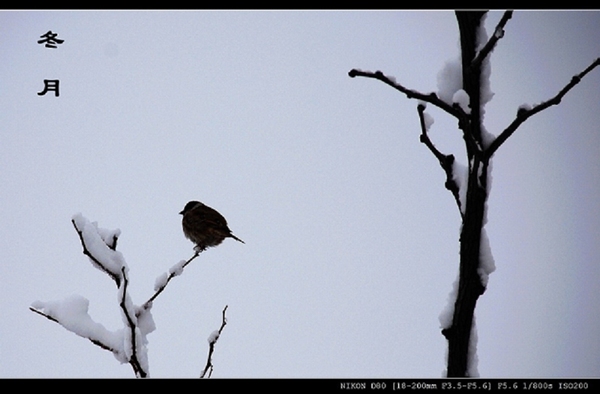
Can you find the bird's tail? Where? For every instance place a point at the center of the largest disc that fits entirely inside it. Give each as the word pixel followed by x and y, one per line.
pixel 236 238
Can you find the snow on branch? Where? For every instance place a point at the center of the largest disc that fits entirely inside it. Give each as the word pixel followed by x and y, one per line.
pixel 128 344
pixel 135 334
pixel 72 314
pixel 525 112
pixel 100 246
pixel 163 280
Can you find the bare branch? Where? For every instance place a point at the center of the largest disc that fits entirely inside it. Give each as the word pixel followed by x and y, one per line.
pixel 171 276
pixel 446 161
pixel 524 114
pixel 489 46
pixel 211 346
pixel 431 98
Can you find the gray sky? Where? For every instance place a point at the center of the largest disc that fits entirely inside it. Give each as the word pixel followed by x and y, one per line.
pixel 351 239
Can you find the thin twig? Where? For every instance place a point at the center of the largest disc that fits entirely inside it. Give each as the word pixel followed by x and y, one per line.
pixel 431 98
pixel 489 46
pixel 446 161
pixel 171 276
pixel 43 314
pixel 524 114
pixel 211 347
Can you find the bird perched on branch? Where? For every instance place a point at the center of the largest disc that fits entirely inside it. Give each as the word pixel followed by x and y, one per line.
pixel 204 226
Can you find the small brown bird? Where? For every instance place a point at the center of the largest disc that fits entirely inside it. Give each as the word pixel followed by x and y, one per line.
pixel 204 226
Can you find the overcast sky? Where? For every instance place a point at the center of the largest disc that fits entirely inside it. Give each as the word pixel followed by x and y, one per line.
pixel 351 239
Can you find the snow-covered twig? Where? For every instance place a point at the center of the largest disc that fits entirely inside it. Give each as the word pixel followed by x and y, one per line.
pixel 92 243
pixel 524 113
pixel 163 281
pixel 212 340
pixel 72 314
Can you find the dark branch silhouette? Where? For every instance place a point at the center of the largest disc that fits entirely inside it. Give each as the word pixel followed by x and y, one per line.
pixel 211 346
pixel 524 114
pixel 446 161
pixel 431 98
pixel 472 269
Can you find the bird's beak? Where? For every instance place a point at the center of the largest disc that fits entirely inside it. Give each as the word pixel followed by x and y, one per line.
pixel 181 213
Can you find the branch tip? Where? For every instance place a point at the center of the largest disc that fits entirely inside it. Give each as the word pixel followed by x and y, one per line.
pixel 523 113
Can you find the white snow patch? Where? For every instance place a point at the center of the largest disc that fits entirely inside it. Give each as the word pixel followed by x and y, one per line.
pixel 212 338
pixel 487 265
pixel 524 107
pixel 142 349
pixel 460 175
pixel 111 260
pixel 161 281
pixel 145 320
pixel 473 359
pixel 428 120
pixel 177 269
pixel 108 236
pixel 447 313
pixel 489 181
pixel 462 98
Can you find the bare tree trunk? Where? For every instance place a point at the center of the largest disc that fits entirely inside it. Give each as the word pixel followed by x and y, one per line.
pixel 469 285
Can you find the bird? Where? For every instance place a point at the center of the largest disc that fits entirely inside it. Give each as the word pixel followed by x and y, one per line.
pixel 204 226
